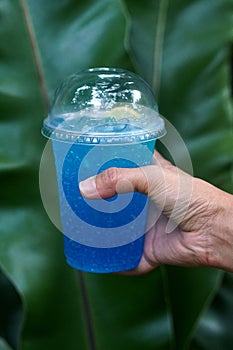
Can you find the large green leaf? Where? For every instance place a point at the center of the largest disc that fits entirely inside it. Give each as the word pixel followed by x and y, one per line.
pixel 41 42
pixel 182 49
pixel 30 250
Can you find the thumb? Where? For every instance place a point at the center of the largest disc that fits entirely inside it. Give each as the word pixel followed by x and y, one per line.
pixel 116 180
pixel 168 187
pixel 149 180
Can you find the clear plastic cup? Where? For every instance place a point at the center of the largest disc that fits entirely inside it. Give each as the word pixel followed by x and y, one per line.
pixel 102 118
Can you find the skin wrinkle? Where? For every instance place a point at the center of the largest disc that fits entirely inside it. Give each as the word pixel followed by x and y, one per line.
pixel 223 251
pixel 202 229
pixel 196 207
pixel 153 245
pixel 108 180
pixel 150 262
pixel 144 187
pixel 198 229
pixel 200 254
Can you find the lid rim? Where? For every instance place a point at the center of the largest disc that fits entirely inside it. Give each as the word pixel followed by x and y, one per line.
pixel 55 128
pixel 110 138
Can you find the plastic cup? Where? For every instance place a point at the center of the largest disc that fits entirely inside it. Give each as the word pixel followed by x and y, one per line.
pixel 102 118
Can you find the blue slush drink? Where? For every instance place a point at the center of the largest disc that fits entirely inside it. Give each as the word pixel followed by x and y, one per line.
pixel 103 235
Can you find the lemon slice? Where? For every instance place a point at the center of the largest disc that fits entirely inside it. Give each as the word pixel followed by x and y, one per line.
pixel 123 112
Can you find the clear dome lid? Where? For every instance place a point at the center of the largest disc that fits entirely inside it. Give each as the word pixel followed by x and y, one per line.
pixel 104 105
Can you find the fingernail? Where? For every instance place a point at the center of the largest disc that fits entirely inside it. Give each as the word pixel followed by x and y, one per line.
pixel 88 187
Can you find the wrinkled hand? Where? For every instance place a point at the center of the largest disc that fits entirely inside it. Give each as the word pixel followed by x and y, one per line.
pixel 190 221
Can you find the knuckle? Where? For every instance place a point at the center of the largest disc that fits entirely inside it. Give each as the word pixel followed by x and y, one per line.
pixel 110 177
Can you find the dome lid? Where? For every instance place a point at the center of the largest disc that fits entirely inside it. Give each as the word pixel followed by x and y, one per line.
pixel 104 106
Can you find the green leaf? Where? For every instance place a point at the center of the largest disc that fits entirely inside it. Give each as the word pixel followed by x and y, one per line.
pixel 132 309
pixel 190 291
pixel 145 40
pixel 215 327
pixel 74 35
pixel 11 312
pixel 182 49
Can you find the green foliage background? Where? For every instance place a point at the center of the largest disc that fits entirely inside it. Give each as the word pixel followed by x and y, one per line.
pixel 182 48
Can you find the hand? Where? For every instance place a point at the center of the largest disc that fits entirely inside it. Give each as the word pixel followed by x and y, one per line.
pixel 192 219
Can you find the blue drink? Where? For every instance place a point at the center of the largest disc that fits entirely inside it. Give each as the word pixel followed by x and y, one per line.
pixel 124 213
pixel 102 118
